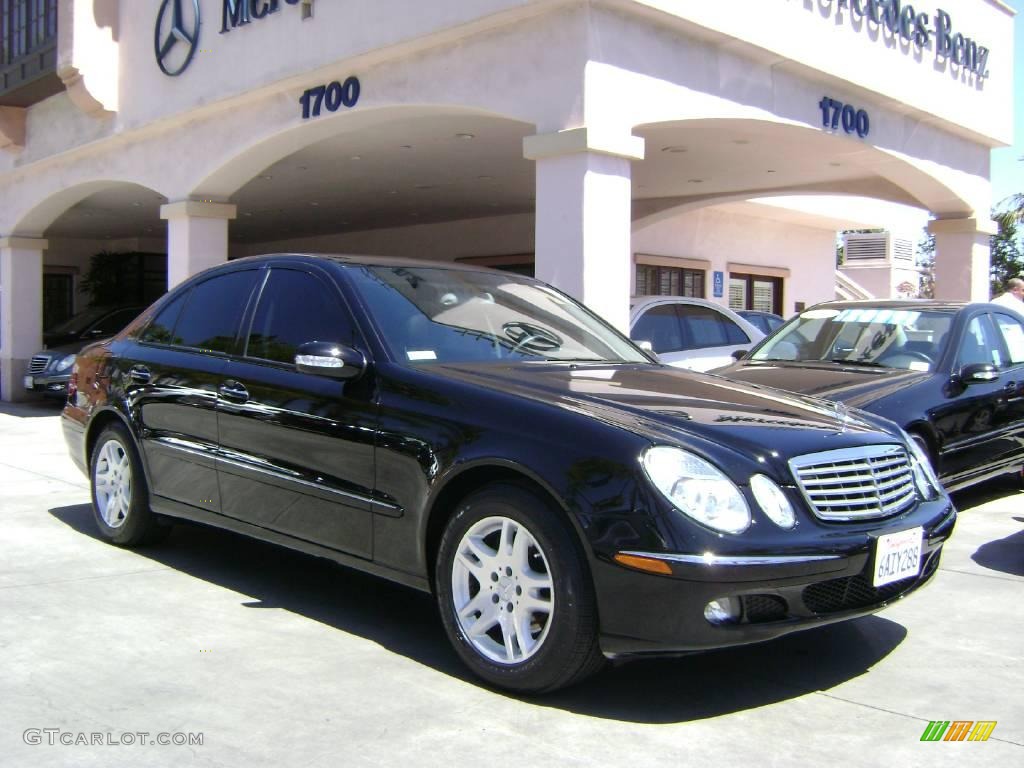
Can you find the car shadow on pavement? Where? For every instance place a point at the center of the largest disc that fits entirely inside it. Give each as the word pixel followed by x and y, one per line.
pixel 406 622
pixel 34 409
pixel 991 490
pixel 1006 554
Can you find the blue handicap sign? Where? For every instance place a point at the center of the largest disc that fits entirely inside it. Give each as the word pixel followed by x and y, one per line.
pixel 719 284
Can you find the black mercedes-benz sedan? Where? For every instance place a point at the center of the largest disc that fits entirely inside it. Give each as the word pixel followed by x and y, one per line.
pixel 951 374
pixel 483 437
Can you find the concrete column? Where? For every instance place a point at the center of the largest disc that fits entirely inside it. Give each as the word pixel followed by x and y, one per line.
pixel 21 311
pixel 584 216
pixel 197 237
pixel 962 258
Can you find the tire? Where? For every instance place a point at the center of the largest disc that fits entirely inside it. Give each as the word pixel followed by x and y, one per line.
pixel 514 592
pixel 120 496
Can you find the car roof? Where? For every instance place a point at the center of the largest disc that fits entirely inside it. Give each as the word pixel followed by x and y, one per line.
pixel 635 300
pixel 346 259
pixel 930 304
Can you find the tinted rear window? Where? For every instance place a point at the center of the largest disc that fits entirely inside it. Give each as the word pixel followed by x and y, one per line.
pixel 214 310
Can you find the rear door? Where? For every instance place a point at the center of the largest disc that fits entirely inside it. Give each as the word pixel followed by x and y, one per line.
pixel 297 449
pixel 172 373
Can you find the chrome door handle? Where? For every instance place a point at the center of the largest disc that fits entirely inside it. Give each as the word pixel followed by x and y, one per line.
pixel 233 391
pixel 139 374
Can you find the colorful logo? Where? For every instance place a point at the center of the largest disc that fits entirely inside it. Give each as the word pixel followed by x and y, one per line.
pixel 959 730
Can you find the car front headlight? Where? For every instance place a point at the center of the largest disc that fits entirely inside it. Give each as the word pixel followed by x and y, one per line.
pixel 697 488
pixel 773 501
pixel 924 473
pixel 64 363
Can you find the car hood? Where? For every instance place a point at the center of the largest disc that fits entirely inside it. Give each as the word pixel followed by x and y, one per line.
pixel 73 347
pixel 52 340
pixel 854 385
pixel 671 404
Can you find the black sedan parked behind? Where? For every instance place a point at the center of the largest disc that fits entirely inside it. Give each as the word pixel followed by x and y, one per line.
pixel 50 368
pixel 482 436
pixel 951 374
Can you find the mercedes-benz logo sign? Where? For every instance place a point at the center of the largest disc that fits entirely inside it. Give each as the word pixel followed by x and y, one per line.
pixel 177 35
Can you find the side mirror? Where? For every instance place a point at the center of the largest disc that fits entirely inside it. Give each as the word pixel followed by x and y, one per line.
pixel 739 354
pixel 978 372
pixel 324 358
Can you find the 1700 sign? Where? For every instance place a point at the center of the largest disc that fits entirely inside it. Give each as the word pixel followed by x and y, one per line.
pixel 836 115
pixel 331 97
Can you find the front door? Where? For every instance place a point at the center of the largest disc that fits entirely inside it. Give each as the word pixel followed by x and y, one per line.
pixel 296 449
pixel 975 421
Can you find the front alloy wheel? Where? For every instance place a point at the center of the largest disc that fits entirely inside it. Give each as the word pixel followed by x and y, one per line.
pixel 515 592
pixel 501 590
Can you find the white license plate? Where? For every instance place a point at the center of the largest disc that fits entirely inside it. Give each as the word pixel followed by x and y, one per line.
pixel 29 382
pixel 897 556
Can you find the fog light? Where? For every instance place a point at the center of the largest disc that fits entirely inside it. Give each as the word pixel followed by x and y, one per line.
pixel 725 610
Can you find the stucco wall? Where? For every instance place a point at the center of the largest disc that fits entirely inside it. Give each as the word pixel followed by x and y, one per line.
pixel 844 46
pixel 722 238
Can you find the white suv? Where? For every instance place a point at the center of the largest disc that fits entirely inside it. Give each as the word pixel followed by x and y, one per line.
pixel 690 333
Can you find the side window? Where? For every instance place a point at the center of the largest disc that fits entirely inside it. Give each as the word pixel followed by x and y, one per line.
pixel 660 326
pixel 707 328
pixel 1012 331
pixel 296 307
pixel 210 319
pixel 161 329
pixel 733 333
pixel 758 321
pixel 980 343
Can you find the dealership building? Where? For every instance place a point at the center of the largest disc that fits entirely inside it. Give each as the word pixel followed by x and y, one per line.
pixel 611 147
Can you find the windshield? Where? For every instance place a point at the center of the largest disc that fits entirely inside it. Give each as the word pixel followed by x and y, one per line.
pixel 891 338
pixel 453 316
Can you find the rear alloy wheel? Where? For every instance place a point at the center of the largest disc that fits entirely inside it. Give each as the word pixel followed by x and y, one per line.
pixel 514 592
pixel 120 498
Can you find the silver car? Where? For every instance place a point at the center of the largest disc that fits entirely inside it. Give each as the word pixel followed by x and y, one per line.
pixel 690 333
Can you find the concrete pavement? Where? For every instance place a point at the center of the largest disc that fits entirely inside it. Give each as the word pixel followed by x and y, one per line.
pixel 278 659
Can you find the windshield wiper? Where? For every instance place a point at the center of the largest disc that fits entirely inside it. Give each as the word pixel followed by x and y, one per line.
pixel 843 361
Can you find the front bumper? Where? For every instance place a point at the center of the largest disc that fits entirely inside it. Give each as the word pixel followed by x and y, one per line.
pixel 779 593
pixel 52 385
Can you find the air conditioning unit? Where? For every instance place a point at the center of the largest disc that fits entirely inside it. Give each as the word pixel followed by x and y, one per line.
pixel 876 248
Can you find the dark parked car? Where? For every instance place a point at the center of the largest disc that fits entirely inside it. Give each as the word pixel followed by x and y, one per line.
pixel 482 436
pixel 50 369
pixel 951 374
pixel 766 322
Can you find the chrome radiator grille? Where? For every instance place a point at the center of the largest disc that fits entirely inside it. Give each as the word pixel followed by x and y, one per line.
pixel 856 483
pixel 38 364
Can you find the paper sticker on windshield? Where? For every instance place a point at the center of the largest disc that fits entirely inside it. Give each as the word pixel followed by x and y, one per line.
pixel 903 317
pixel 819 314
pixel 918 365
pixel 416 355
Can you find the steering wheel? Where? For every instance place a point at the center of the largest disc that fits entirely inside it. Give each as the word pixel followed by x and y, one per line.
pixel 911 354
pixel 532 337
